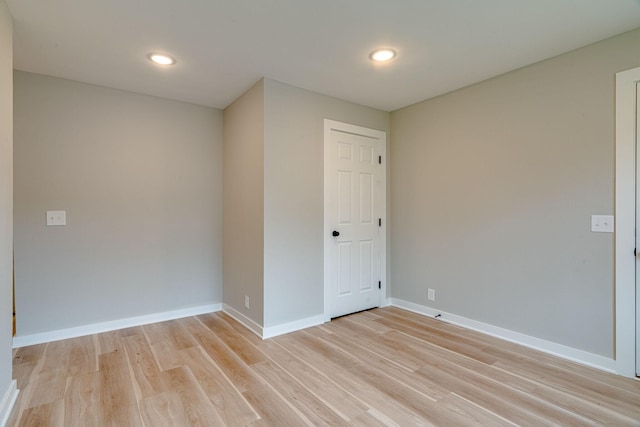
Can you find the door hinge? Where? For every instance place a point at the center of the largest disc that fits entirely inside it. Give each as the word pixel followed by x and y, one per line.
pixel 379 222
pixel 634 251
pixel 379 284
pixel 379 160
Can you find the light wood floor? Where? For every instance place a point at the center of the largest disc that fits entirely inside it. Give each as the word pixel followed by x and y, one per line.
pixel 381 367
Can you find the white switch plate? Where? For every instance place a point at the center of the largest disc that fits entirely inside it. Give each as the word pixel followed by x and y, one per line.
pixel 246 302
pixel 56 218
pixel 431 294
pixel 602 223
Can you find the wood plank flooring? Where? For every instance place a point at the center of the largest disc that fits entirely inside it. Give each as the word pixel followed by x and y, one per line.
pixel 384 367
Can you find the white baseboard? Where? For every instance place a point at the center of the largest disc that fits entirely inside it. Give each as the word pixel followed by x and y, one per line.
pixel 96 328
pixel 285 328
pixel 573 354
pixel 272 331
pixel 7 402
pixel 244 320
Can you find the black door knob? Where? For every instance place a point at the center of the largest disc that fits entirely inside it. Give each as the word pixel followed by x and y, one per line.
pixel 336 233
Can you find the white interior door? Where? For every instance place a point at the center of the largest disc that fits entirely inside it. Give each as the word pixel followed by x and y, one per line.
pixel 637 131
pixel 354 218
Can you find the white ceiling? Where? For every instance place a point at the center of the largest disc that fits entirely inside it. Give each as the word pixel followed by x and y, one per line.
pixel 225 46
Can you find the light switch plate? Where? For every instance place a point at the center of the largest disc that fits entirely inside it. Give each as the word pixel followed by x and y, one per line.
pixel 602 223
pixel 56 218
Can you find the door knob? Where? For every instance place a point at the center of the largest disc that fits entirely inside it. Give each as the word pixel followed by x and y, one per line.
pixel 335 233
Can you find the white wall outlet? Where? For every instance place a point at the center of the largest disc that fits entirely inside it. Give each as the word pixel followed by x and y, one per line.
pixel 56 218
pixel 246 302
pixel 431 294
pixel 602 223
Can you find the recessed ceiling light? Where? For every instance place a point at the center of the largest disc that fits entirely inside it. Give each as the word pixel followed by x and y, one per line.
pixel 382 55
pixel 161 59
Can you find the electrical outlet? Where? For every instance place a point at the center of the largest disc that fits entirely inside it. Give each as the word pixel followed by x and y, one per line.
pixel 602 223
pixel 431 294
pixel 246 302
pixel 56 218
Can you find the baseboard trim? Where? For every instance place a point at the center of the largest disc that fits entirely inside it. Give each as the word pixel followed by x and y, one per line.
pixel 569 353
pixel 273 331
pixel 243 320
pixel 96 328
pixel 7 402
pixel 285 328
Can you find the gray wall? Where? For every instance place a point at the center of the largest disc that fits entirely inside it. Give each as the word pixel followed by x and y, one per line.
pixel 6 194
pixel 294 195
pixel 243 203
pixel 141 181
pixel 492 191
pixel 273 198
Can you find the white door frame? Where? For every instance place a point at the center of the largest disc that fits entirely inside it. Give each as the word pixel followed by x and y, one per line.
pixel 625 236
pixel 330 125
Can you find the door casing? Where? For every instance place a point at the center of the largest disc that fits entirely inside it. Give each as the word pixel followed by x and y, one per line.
pixel 625 217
